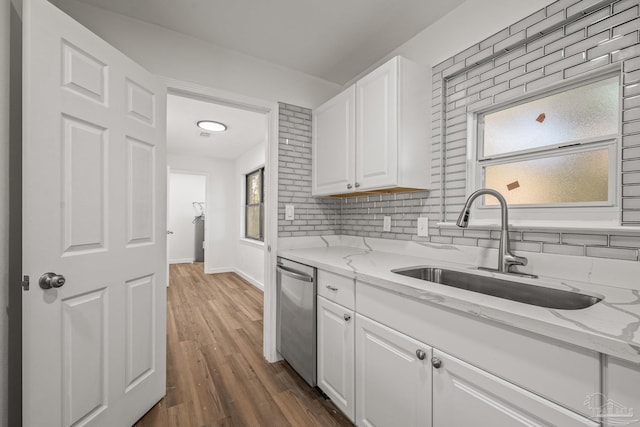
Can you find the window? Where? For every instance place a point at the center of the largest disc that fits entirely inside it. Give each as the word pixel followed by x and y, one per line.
pixel 254 205
pixel 558 150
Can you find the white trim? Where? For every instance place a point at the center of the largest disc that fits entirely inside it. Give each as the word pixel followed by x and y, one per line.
pixel 271 110
pixel 181 261
pixel 250 242
pixel 219 270
pixel 250 279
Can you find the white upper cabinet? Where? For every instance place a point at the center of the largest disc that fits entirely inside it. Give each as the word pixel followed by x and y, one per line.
pixel 374 135
pixel 334 148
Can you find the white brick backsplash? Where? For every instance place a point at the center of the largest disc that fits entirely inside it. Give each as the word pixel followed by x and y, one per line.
pixel 583 23
pixel 584 239
pixel 614 253
pixel 587 66
pixel 613 20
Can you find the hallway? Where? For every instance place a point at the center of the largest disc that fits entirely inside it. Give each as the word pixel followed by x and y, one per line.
pixel 216 374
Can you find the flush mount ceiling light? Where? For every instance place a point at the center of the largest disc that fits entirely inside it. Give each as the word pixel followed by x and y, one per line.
pixel 212 126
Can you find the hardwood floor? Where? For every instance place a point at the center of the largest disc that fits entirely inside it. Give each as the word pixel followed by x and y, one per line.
pixel 216 374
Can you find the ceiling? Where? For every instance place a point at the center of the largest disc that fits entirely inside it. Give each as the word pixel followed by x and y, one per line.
pixel 331 39
pixel 245 129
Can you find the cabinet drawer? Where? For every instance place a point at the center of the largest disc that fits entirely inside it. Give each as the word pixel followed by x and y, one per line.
pixel 336 288
pixel 563 373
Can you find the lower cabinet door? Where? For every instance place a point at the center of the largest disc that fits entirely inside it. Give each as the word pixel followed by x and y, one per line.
pixel 393 377
pixel 336 354
pixel 464 395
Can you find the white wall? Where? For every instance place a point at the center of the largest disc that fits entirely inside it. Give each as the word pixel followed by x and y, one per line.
pixel 221 215
pixel 249 254
pixel 171 54
pixel 4 201
pixel 184 189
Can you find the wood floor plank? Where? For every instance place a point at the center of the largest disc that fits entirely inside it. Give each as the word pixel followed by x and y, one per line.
pixel 216 374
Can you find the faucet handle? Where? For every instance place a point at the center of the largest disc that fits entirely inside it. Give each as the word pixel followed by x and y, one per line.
pixel 513 260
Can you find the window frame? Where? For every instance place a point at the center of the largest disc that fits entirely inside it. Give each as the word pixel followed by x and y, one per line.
pixel 570 214
pixel 246 204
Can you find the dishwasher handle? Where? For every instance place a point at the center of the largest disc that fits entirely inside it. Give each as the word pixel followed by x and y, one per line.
pixel 287 271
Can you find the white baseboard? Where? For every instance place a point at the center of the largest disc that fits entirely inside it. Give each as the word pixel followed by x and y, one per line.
pixel 181 261
pixel 219 270
pixel 250 279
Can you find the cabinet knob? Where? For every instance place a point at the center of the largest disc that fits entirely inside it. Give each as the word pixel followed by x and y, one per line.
pixel 436 362
pixel 349 186
pixel 420 354
pixel 357 184
pixel 347 317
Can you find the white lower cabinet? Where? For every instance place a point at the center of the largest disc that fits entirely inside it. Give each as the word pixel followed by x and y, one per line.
pixel 393 377
pixel 335 332
pixel 464 395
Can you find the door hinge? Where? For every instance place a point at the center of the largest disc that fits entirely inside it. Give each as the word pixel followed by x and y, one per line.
pixel 25 283
pixel 269 248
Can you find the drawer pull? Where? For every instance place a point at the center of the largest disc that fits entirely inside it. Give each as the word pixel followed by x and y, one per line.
pixel 420 354
pixel 436 362
pixel 331 288
pixel 347 317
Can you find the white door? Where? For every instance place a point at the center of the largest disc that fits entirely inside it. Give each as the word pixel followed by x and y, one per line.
pixel 464 394
pixel 377 127
pixel 94 211
pixel 336 345
pixel 393 377
pixel 334 145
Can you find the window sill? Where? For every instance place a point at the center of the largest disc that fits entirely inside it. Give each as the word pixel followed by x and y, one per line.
pixel 251 242
pixel 570 228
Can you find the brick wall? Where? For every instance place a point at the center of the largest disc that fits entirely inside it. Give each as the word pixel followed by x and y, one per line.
pixel 563 40
pixel 313 216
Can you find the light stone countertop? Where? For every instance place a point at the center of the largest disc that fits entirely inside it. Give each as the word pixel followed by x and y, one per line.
pixel 611 326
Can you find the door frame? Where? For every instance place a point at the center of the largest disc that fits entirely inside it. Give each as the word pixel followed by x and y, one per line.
pixel 271 111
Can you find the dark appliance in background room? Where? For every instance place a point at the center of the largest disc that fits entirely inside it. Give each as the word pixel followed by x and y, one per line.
pixel 296 317
pixel 198 221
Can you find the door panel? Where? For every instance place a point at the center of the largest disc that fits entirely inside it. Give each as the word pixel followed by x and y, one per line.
pixel 393 384
pixel 140 183
pixel 334 145
pixel 84 371
pixel 336 346
pixel 496 402
pixel 140 329
pixel 94 210
pixel 377 128
pixel 84 192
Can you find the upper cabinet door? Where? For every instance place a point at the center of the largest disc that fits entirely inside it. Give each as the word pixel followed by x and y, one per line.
pixel 377 128
pixel 334 145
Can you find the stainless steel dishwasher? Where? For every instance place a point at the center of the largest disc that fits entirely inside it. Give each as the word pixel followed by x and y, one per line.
pixel 296 311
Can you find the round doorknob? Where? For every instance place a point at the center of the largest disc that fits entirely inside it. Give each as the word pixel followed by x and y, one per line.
pixel 357 185
pixel 51 280
pixel 436 362
pixel 420 354
pixel 349 186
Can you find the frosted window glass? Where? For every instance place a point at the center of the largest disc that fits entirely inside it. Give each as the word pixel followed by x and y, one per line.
pixel 577 177
pixel 587 111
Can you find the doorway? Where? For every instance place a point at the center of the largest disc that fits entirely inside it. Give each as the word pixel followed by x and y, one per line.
pixel 228 161
pixel 187 193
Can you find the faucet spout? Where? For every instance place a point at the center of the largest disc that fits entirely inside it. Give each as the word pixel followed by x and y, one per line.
pixel 506 259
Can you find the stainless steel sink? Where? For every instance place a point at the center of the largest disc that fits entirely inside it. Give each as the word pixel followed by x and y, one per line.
pixel 515 291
